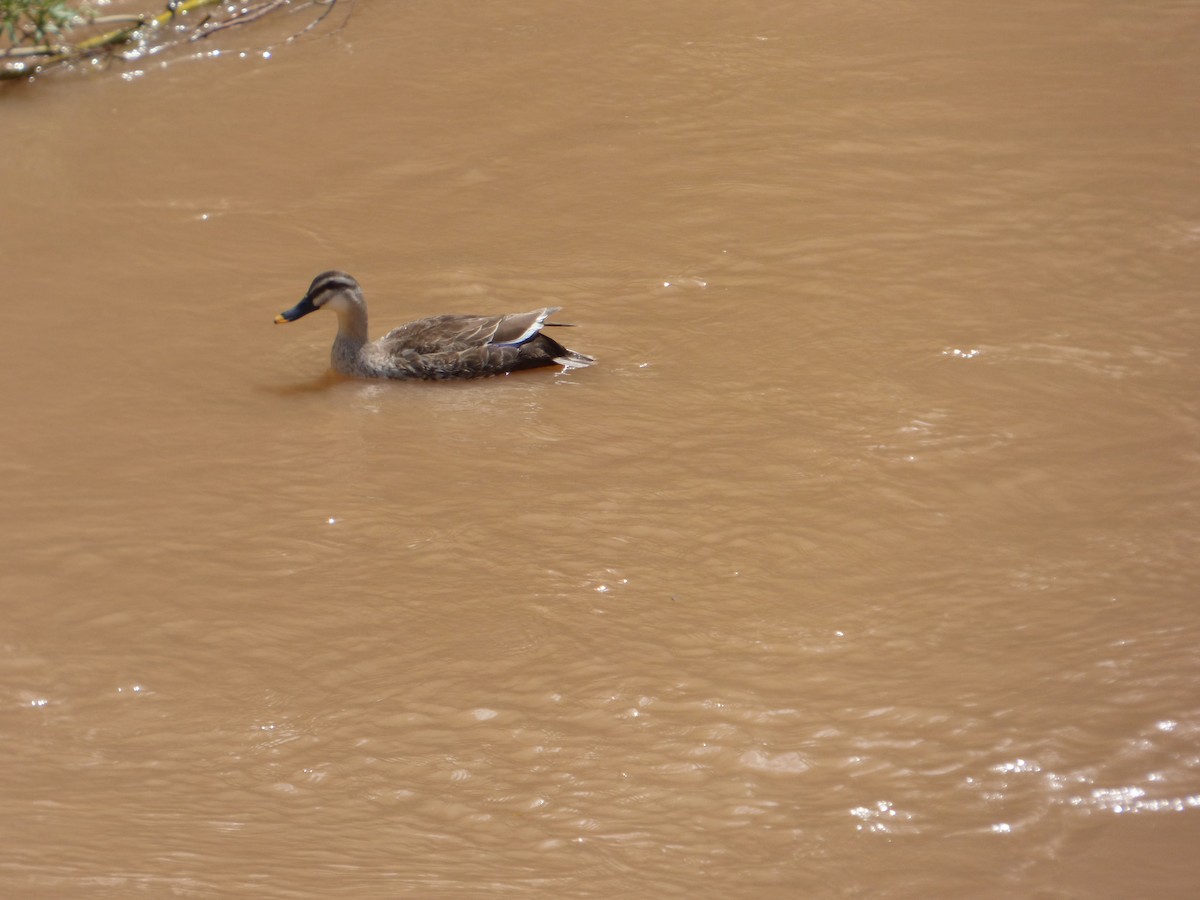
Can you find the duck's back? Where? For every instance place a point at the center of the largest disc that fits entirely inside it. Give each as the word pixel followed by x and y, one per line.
pixel 439 334
pixel 458 346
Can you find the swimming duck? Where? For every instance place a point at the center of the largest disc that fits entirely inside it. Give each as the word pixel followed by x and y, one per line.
pixel 437 347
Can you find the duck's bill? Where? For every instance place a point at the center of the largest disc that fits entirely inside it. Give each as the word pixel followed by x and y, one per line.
pixel 303 308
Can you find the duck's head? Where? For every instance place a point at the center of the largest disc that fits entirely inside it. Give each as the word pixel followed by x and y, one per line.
pixel 329 290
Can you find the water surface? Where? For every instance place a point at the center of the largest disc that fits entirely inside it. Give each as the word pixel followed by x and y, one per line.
pixel 863 564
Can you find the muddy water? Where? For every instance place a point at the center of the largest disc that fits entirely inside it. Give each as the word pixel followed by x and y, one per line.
pixel 864 564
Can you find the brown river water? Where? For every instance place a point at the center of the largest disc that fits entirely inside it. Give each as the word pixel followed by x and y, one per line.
pixel 863 564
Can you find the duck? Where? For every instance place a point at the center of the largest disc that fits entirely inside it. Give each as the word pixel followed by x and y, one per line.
pixel 437 347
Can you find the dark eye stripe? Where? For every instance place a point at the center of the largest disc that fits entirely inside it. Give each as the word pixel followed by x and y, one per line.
pixel 331 281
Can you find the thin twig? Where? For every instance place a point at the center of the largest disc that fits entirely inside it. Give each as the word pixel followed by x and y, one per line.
pixel 321 18
pixel 244 17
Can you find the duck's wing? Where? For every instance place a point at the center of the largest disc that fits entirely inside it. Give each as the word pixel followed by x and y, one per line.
pixel 454 334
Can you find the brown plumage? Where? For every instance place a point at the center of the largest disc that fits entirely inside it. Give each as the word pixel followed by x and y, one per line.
pixel 436 347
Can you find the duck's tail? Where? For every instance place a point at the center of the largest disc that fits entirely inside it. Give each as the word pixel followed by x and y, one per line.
pixel 569 359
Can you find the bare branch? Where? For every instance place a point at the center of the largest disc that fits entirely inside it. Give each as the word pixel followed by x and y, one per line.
pixel 56 49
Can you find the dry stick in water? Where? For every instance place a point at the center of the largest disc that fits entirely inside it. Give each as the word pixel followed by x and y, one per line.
pixel 109 38
pixel 242 17
pixel 203 30
pixel 52 55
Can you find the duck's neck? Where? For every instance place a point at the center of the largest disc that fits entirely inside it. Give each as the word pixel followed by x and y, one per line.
pixel 351 337
pixel 352 325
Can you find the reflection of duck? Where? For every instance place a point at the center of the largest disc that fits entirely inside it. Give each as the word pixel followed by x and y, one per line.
pixel 437 347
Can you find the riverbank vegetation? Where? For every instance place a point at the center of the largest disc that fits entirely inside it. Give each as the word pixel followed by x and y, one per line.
pixel 36 35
